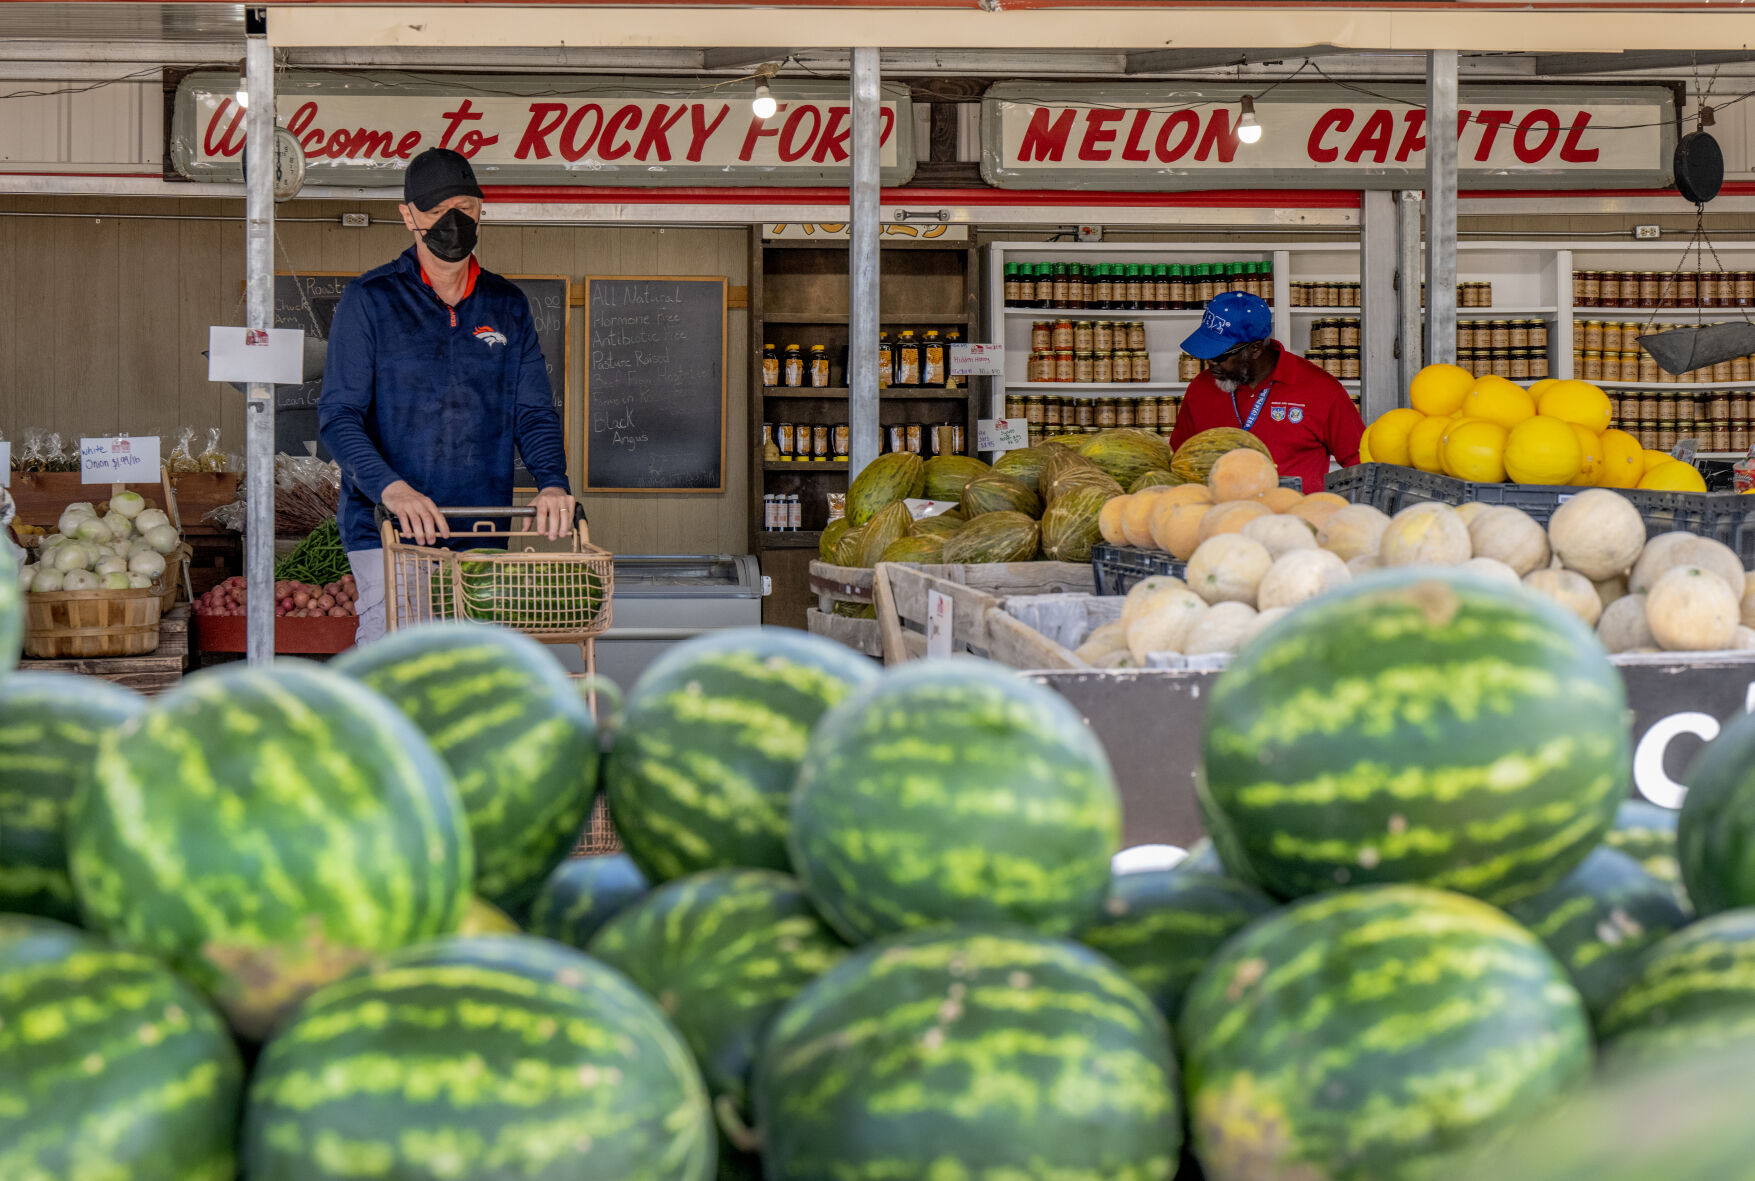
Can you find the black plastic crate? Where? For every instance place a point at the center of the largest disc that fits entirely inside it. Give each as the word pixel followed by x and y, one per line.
pixel 1119 568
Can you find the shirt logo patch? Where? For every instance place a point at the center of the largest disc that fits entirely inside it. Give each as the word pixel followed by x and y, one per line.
pixel 489 336
pixel 1278 414
pixel 1297 414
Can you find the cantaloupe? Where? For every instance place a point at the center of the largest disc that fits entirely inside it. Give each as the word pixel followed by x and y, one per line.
pixel 1186 494
pixel 1622 627
pixel 1109 519
pixel 1689 550
pixel 1265 617
pixel 1231 516
pixel 1749 599
pixel 1300 575
pixel 1140 595
pixel 1136 517
pixel 1352 531
pixel 1165 625
pixel 1222 629
pixel 1362 563
pixel 1570 589
pixel 1692 610
pixel 1492 568
pixel 1474 508
pixel 1316 511
pixel 1610 589
pixel 1425 535
pixel 1242 475
pixel 1175 528
pixel 1334 498
pixel 1597 533
pixel 1111 637
pixel 1509 535
pixel 1227 568
pixel 1121 659
pixel 1281 500
pixel 1281 533
pixel 1655 560
pixel 1744 640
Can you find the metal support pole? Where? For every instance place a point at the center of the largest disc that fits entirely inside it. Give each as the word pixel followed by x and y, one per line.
pixel 862 274
pixel 1411 351
pixel 1378 323
pixel 259 313
pixel 1441 140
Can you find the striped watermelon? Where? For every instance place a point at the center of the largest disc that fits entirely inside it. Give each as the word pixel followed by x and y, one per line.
pixel 1715 835
pixel 582 894
pixel 518 738
pixel 969 1054
pixel 1417 727
pixel 1599 920
pixel 482 917
pixel 1365 1034
pixel 266 830
pixel 50 725
pixel 482 1059
pixel 1163 925
pixel 954 791
pixel 110 1066
pixel 704 760
pixel 1647 833
pixel 1692 991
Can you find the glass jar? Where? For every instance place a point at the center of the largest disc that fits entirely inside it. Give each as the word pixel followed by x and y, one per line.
pixel 908 359
pixel 1145 412
pixel 1592 336
pixel 1136 335
pixel 1142 365
pixel 1350 334
pixel 1034 408
pixel 1501 330
pixel 1651 289
pixel 1587 289
pixel 1592 368
pixel 1744 288
pixel 1326 334
pixel 1062 336
pixel 1065 365
pixel 1687 408
pixel 1666 436
pixel 1126 412
pixel 1103 336
pixel 1084 367
pixel 1518 334
pixel 1648 367
pixel 1168 409
pixel 1017 405
pixel 1041 334
pixel 1052 411
pixel 1721 436
pixel 1538 365
pixel 1179 294
pixel 1688 289
pixel 1134 294
pixel 1042 365
pixel 1666 408
pixel 819 366
pixel 792 368
pixel 1045 285
pixel 1349 364
pixel 1609 290
pixel 1083 332
pixel 1739 436
pixel 1739 407
pixel 1084 413
pixel 1722 372
pixel 1106 415
pixel 1102 287
pixel 1671 286
pixel 1103 367
pixel 1520 364
pixel 1741 367
pixel 1718 406
pixel 770 365
pixel 1710 290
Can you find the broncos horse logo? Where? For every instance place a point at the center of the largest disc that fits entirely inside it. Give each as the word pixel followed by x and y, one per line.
pixel 490 336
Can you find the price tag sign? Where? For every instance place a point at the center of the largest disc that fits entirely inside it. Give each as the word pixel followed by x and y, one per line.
pixel 921 509
pixel 1685 449
pixel 938 625
pixel 977 360
pixel 1001 434
pixel 121 460
pixel 5 464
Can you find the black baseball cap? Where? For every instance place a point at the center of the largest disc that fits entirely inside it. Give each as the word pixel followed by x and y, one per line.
pixel 436 174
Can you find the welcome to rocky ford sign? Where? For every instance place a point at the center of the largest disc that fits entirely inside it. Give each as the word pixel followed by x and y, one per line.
pixel 1139 136
pixel 362 129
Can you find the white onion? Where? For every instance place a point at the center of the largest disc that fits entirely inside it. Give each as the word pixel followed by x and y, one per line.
pixel 138 581
pixel 27 575
pixel 150 519
pixel 52 540
pixel 120 526
pixel 110 565
pixel 116 581
pixel 92 529
pixel 47 579
pixel 70 519
pixel 72 556
pixel 128 504
pixel 163 538
pixel 148 562
pixel 76 580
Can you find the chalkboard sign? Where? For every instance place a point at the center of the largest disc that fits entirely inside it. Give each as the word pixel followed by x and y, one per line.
pixel 655 384
pixel 308 301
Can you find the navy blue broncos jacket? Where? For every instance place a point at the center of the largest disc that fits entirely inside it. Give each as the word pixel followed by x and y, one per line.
pixel 416 390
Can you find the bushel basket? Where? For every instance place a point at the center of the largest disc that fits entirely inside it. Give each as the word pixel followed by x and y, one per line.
pixel 92 623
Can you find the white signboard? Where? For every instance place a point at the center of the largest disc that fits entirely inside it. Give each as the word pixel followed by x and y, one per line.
pixel 978 360
pixel 1001 434
pixel 5 464
pixel 271 355
pixel 122 460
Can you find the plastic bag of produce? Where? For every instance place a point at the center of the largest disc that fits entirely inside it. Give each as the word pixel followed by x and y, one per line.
pixel 212 459
pixel 182 458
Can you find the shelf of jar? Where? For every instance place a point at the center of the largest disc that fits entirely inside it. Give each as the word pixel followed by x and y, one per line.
pixel 1505 313
pixel 1676 387
pixel 1306 311
pixel 1708 314
pixel 805 465
pixel 1080 388
pixel 1107 313
pixel 904 393
pixel 897 319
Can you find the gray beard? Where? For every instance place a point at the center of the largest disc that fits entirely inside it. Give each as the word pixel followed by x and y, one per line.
pixel 1226 387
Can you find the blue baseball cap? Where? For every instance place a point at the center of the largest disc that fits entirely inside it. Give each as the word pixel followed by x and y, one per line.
pixel 1233 318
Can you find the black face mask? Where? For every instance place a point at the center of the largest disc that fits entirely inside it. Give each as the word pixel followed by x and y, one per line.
pixel 452 237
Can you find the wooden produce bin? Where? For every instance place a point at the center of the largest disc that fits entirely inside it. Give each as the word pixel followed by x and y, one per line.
pixel 306 636
pixel 91 623
pixel 152 673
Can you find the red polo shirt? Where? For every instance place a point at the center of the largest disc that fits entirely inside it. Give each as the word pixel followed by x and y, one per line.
pixel 1306 418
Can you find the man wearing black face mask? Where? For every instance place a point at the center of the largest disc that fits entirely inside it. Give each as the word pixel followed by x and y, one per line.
pixel 434 374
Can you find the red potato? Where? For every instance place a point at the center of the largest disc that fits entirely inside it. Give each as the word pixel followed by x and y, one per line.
pixel 301 599
pixel 326 601
pixel 338 613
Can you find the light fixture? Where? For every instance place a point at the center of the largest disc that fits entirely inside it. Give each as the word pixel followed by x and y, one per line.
pixel 1248 130
pixel 763 105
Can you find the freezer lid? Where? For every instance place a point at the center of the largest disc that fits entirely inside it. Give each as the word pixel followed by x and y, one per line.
pixel 673 575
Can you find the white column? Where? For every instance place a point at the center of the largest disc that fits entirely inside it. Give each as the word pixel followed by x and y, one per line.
pixel 259 313
pixel 1441 205
pixel 862 272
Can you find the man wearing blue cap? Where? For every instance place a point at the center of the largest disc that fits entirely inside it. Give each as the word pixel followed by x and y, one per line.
pixel 1251 381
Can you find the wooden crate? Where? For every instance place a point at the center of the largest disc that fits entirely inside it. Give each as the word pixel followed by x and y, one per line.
pixel 978 621
pixel 91 624
pixel 151 674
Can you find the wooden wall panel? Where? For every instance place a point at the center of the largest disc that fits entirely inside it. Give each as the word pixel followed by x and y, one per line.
pixel 103 321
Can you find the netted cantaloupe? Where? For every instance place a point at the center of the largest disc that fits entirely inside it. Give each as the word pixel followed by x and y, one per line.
pixel 1070 525
pixel 1363 563
pixel 1228 568
pixel 1424 535
pixel 1242 474
pixel 1222 629
pixel 1686 549
pixel 1265 617
pixel 1299 576
pixel 1353 531
pixel 886 480
pixel 1610 589
pixel 1231 516
pixel 1748 603
pixel 1193 461
pixel 1569 588
pixel 1744 640
pixel 994 537
pixel 1281 500
pixel 1176 527
pixel 1317 508
pixel 1622 626
pixel 891 524
pixel 946 475
pixel 1139 597
pixel 1692 610
pixel 1597 533
pixel 1655 560
pixel 1153 479
pixel 1164 626
pixel 1511 536
pixel 1125 454
pixel 997 492
pixel 1109 520
pixel 1103 641
pixel 1024 464
pixel 1281 533
pixel 1492 568
pixel 1136 516
pixel 926 550
pixel 832 534
pixel 1186 494
pixel 1474 508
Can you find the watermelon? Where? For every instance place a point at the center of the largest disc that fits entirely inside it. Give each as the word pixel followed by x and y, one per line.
pixel 1364 1034
pixel 701 773
pixel 517 736
pixel 11 612
pixel 1163 925
pixel 1069 527
pixel 1647 833
pixel 893 477
pixel 1715 834
pixel 1416 726
pixel 954 791
pixel 969 1054
pixel 722 951
pixel 1702 976
pixel 484 918
pixel 265 830
pixel 1599 920
pixel 50 726
pixel 110 1066
pixel 946 474
pixel 478 1060
pixel 1126 454
pixel 582 894
pixel 520 594
pixel 993 537
pixel 1194 460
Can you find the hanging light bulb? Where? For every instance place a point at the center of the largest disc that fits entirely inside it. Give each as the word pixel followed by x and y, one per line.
pixel 763 105
pixel 1248 130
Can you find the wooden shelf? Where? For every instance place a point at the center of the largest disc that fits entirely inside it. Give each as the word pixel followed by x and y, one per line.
pixel 906 321
pixel 895 393
pixel 789 539
pixel 805 465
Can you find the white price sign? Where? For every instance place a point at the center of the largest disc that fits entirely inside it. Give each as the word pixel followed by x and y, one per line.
pixel 121 460
pixel 938 625
pixel 1001 434
pixel 5 464
pixel 977 360
pixel 921 509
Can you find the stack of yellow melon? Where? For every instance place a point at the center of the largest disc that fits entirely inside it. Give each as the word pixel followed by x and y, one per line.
pixel 1489 430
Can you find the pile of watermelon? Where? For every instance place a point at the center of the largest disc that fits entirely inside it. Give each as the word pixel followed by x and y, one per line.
pixel 866 923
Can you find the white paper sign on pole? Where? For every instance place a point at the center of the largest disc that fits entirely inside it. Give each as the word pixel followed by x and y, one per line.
pixel 938 625
pixel 978 360
pixel 1001 434
pixel 122 460
pixel 5 463
pixel 243 355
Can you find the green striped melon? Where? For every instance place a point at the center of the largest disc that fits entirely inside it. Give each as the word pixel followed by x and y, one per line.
pixel 484 918
pixel 1418 727
pixel 518 594
pixel 1163 925
pixel 1599 920
pixel 487 1059
pixel 886 480
pixel 1365 1034
pixel 11 612
pixel 50 726
pixel 521 745
pixel 954 791
pixel 266 830
pixel 969 1054
pixel 1647 833
pixel 1715 834
pixel 582 894
pixel 111 1068
pixel 1691 989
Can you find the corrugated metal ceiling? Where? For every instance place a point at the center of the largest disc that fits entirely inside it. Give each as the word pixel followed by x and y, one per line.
pixel 122 22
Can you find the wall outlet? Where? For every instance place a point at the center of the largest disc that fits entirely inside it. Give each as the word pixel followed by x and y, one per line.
pixel 1090 233
pixel 1647 233
pixel 358 221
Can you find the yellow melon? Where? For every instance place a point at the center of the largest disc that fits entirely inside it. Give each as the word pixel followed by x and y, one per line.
pixel 1353 531
pixel 1511 536
pixel 1592 447
pixel 1242 475
pixel 1300 575
pixel 1281 500
pixel 1109 519
pixel 1175 528
pixel 1674 476
pixel 1136 517
pixel 1425 535
pixel 1577 402
pixel 1231 517
pixel 1623 461
pixel 1652 458
pixel 1498 400
pixel 1440 389
pixel 1542 450
pixel 1474 450
pixel 1597 533
pixel 1692 610
pixel 1423 444
pixel 1388 436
